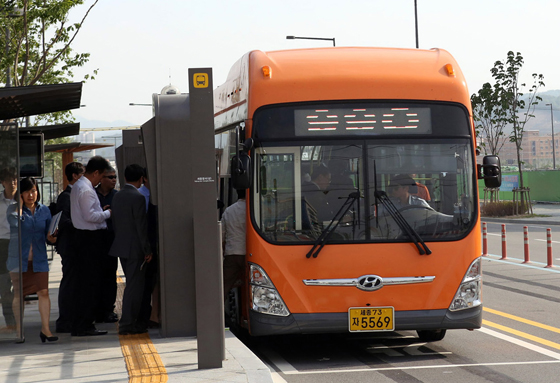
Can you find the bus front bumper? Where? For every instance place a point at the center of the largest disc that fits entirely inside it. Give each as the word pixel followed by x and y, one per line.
pixel 321 323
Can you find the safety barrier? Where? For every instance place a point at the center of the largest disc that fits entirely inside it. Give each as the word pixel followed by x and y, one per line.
pixel 526 243
pixel 526 255
pixel 504 245
pixel 549 248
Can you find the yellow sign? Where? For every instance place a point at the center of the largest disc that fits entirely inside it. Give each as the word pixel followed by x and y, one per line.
pixel 200 80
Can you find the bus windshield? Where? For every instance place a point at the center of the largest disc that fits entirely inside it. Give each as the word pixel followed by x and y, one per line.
pixel 304 183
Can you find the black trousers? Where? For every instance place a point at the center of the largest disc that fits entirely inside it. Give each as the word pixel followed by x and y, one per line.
pixel 88 270
pixel 107 282
pixel 133 293
pixel 68 285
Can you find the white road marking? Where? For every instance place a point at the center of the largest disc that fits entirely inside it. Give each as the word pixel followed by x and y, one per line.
pixel 278 361
pixel 276 378
pixel 522 343
pixel 421 367
pixel 544 240
pixel 497 259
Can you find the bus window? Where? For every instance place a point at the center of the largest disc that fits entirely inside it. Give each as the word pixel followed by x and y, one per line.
pixel 450 212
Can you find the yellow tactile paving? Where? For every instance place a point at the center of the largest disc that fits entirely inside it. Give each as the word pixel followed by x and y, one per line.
pixel 143 362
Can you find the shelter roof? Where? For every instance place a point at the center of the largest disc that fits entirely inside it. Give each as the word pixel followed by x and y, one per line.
pixel 74 147
pixel 25 101
pixel 54 131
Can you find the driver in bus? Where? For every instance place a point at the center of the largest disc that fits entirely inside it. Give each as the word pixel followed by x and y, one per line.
pixel 402 188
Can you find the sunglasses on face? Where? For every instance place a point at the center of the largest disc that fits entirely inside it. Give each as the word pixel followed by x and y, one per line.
pixel 110 177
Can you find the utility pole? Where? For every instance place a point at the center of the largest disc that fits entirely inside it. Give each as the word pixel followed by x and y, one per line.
pixel 553 143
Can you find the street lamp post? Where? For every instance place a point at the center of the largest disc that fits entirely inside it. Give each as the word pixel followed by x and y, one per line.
pixel 553 143
pixel 312 38
pixel 416 23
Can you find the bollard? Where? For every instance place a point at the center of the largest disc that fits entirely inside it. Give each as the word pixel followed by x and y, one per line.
pixel 484 239
pixel 549 248
pixel 504 249
pixel 526 243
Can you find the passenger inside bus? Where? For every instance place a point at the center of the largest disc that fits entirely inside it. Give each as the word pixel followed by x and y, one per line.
pixel 341 184
pixel 315 192
pixel 422 190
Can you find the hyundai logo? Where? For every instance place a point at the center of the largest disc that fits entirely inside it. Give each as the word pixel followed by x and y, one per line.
pixel 370 282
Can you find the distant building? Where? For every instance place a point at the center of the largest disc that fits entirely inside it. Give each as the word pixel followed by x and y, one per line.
pixel 536 151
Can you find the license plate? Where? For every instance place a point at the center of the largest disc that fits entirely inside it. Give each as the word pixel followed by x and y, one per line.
pixel 371 319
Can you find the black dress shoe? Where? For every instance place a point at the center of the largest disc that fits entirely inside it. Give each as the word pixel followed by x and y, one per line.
pixel 63 330
pixel 112 318
pixel 109 318
pixel 126 331
pixel 92 332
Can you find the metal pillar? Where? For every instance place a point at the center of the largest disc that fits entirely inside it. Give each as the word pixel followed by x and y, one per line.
pixel 208 261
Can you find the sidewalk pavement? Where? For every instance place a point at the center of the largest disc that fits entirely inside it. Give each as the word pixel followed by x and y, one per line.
pixel 550 210
pixel 101 358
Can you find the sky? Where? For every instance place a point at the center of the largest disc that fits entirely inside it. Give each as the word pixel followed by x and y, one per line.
pixel 140 46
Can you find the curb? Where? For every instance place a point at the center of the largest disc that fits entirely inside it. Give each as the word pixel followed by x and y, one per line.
pixel 256 370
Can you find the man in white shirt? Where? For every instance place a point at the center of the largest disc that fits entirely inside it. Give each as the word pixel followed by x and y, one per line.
pixel 9 182
pixel 233 236
pixel 88 217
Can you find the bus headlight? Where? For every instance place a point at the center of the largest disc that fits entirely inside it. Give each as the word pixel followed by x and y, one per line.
pixel 469 293
pixel 264 296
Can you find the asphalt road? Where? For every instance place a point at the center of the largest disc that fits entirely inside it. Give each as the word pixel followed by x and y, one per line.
pixel 519 340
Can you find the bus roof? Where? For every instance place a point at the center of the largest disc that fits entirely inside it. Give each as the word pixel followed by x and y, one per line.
pixel 342 73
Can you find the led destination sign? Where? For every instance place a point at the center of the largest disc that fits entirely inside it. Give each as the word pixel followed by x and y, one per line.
pixel 362 121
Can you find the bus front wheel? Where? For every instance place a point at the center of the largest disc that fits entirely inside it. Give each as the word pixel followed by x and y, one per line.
pixel 431 335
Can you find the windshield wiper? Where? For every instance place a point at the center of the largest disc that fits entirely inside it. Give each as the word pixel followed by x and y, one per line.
pixel 397 216
pixel 381 196
pixel 322 240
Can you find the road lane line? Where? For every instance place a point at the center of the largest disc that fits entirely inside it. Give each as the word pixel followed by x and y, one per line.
pixel 519 342
pixel 509 261
pixel 523 320
pixel 464 365
pixel 524 335
pixel 275 358
pixel 544 240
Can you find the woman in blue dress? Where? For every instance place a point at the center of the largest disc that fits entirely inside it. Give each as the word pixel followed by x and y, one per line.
pixel 35 219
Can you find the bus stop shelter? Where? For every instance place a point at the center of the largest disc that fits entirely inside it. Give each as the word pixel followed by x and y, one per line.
pixel 20 102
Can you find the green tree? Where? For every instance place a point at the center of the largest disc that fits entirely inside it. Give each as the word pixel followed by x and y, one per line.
pixel 490 117
pixel 519 111
pixel 38 50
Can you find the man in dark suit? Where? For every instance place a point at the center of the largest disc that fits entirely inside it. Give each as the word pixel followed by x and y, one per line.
pixel 131 245
pixel 66 247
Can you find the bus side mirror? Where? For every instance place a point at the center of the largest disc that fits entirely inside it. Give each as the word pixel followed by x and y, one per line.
pixel 241 171
pixel 490 171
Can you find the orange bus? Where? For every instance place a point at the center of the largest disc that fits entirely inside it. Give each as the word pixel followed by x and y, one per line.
pixel 361 178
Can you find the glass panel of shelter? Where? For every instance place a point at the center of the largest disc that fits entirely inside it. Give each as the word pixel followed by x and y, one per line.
pixel 9 237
